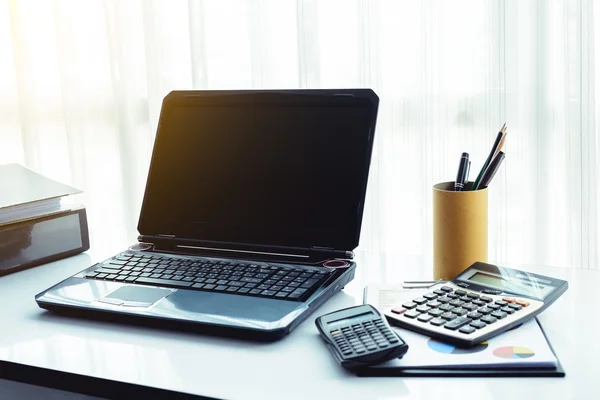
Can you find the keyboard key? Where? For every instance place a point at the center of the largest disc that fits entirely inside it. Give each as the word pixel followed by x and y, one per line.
pixel 486 299
pixel 460 292
pixel 446 289
pixel 467 329
pixel 501 302
pixel 444 299
pixel 423 308
pixel 433 304
pixel 470 307
pixel 101 276
pixel 412 314
pixel 446 307
pixel 459 311
pixel 198 285
pixel 474 315
pixel 457 323
pixel 507 310
pixel 448 316
pixel 498 314
pixel 493 306
pixel 439 292
pixel 523 303
pixel 436 312
pixel 424 318
pixel 420 300
pixel 478 324
pixel 430 296
pixel 515 307
pixel 478 303
pixel 409 305
pixel 456 303
pixel 163 282
pixel 220 287
pixel 473 295
pixel 485 311
pixel 437 322
pixel 488 320
pixel 452 296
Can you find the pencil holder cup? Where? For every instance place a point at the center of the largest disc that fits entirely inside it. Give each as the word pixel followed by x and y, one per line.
pixel 460 229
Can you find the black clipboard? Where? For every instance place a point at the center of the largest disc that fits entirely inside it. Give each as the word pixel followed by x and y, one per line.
pixel 469 372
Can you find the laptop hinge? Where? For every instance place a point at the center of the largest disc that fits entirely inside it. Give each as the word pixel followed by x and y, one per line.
pixel 296 254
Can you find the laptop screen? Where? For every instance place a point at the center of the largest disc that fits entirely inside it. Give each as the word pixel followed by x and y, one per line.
pixel 273 169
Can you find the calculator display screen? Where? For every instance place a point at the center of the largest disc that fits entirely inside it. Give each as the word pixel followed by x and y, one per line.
pixel 351 318
pixel 515 285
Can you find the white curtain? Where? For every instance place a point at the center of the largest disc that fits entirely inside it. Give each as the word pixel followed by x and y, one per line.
pixel 81 85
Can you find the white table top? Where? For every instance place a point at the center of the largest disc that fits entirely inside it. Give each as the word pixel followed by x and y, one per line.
pixel 297 367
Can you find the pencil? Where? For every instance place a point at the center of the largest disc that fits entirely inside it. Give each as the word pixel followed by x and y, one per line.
pixel 490 156
pixel 501 143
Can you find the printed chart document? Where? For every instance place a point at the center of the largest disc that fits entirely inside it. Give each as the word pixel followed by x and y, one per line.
pixel 524 346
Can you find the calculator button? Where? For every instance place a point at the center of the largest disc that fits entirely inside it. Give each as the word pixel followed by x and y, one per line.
pixel 474 315
pixel 457 323
pixel 444 299
pixel 420 300
pixel 359 351
pixel 430 296
pixel 523 303
pixel 446 307
pixel 459 311
pixel 398 310
pixel 478 324
pixel 393 339
pixel 460 292
pixel 435 312
pixel 509 299
pixel 452 296
pixel 409 305
pixel 423 308
pixel 473 295
pixel 478 303
pixel 500 302
pixel 439 292
pixel 456 303
pixel 486 299
pixel 448 316
pixel 466 329
pixel 437 322
pixel 466 299
pixel 424 318
pixel 498 314
pixel 412 314
pixel 371 347
pixel 515 307
pixel 383 344
pixel 488 320
pixel 493 306
pixel 485 310
pixel 434 303
pixel 507 310
pixel 446 289
pixel 470 307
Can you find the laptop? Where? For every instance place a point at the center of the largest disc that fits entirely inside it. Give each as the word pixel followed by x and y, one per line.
pixel 251 212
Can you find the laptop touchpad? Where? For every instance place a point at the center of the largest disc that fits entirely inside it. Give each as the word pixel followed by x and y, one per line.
pixel 135 296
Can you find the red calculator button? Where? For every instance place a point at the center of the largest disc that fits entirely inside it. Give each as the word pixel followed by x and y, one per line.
pixel 509 299
pixel 522 302
pixel 398 310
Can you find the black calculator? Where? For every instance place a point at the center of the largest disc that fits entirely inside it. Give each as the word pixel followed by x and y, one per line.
pixel 482 302
pixel 360 336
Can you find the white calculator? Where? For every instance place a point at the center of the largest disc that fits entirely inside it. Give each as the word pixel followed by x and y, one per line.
pixel 480 303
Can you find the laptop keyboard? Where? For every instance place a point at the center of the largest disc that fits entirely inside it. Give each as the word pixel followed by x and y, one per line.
pixel 241 278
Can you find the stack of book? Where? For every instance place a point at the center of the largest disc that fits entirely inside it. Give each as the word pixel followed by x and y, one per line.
pixel 35 224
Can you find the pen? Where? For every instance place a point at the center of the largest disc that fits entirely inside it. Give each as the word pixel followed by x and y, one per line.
pixel 491 171
pixel 490 156
pixel 466 178
pixel 462 171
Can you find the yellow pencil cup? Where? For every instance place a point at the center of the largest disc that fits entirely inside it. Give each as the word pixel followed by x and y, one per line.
pixel 460 229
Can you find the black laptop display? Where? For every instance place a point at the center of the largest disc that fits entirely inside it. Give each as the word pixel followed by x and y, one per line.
pixel 253 206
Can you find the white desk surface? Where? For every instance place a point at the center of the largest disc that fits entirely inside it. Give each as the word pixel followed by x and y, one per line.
pixel 297 367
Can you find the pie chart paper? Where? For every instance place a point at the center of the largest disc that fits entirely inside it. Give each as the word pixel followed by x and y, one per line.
pixel 524 347
pixel 513 352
